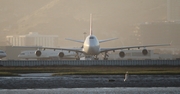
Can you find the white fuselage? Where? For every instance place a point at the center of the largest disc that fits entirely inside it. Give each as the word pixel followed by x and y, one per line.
pixel 91 45
pixel 2 54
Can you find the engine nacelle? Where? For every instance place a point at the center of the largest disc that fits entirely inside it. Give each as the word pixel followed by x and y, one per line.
pixel 61 54
pixel 144 51
pixel 38 53
pixel 121 54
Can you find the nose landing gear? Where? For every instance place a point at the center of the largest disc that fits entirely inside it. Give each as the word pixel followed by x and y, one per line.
pixel 96 58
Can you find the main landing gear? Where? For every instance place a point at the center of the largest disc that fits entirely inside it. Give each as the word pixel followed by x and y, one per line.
pixel 105 56
pixel 77 56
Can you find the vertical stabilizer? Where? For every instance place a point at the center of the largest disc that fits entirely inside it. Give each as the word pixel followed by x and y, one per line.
pixel 91 24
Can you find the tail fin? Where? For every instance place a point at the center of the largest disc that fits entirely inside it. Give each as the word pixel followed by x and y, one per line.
pixel 91 24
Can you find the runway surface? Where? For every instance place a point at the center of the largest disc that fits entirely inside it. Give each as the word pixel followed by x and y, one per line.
pixel 117 90
pixel 46 81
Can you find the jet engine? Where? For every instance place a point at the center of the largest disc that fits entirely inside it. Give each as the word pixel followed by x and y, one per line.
pixel 121 54
pixel 38 53
pixel 61 54
pixel 144 51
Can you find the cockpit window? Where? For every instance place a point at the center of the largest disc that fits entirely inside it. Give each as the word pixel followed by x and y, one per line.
pixel 91 38
pixel 1 52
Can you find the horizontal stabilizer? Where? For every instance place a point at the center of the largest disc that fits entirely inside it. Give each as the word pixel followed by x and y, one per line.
pixel 100 41
pixel 80 41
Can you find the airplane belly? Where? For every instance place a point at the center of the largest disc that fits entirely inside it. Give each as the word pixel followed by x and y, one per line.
pixel 68 57
pixel 91 50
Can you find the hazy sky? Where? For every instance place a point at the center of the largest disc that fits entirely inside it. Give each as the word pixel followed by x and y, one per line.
pixel 70 18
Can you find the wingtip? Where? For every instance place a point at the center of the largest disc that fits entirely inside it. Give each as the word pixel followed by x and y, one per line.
pixel 170 43
pixel 115 38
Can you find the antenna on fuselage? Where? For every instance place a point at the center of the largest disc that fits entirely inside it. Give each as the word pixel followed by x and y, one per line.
pixel 91 24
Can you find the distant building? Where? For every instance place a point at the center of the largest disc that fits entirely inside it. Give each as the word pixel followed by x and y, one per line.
pixel 33 39
pixel 173 10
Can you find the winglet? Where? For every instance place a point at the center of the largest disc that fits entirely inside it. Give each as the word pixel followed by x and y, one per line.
pixel 171 43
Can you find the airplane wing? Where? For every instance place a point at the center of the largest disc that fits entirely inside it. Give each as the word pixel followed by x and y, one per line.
pixel 79 50
pixel 27 47
pixel 129 47
pixel 65 49
pixel 80 41
pixel 100 41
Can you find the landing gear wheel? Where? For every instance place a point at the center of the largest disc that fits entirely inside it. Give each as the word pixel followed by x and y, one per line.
pixel 96 58
pixel 105 58
pixel 77 58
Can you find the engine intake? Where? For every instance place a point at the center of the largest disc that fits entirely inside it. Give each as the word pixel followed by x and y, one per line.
pixel 144 51
pixel 121 54
pixel 38 53
pixel 61 54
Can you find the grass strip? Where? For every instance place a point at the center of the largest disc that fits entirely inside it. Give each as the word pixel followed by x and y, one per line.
pixel 93 70
pixel 8 74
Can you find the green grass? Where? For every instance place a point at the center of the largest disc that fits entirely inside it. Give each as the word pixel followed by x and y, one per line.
pixel 122 71
pixel 92 70
pixel 8 74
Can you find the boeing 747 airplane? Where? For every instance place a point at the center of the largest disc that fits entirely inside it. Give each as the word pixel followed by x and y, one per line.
pixel 91 47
